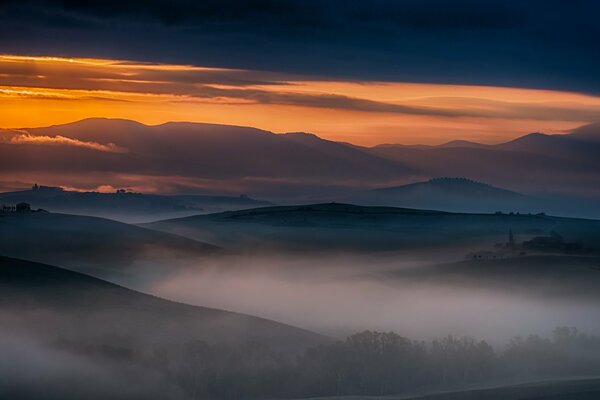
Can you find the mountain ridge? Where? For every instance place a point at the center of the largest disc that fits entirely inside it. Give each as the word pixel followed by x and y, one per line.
pixel 181 157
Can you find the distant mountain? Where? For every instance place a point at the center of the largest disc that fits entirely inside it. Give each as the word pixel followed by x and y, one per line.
pixel 191 157
pixel 448 194
pixel 590 133
pixel 573 148
pixel 177 155
pixel 126 206
pixel 461 186
pixel 335 227
pixel 461 143
pixel 94 245
pixel 531 164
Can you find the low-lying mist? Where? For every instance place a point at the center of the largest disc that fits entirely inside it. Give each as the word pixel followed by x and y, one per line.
pixel 31 368
pixel 397 325
pixel 338 294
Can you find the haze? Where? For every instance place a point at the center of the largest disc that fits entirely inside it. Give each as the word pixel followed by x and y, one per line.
pixel 299 199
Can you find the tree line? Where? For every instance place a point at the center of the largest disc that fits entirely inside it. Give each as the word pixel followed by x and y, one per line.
pixel 379 363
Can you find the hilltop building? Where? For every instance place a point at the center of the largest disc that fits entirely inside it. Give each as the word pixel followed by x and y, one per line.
pixel 553 243
pixel 509 249
pixel 39 188
pixel 510 244
pixel 20 208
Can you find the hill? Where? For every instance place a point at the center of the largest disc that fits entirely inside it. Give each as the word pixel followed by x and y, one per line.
pixel 590 132
pixel 65 335
pixel 453 186
pixel 93 245
pixel 535 163
pixel 177 155
pixel 333 226
pixel 181 157
pixel 448 194
pixel 126 206
pixel 28 286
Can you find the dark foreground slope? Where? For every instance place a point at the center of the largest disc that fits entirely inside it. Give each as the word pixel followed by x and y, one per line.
pixel 89 244
pixel 552 389
pixel 56 303
pixel 336 226
pixel 64 335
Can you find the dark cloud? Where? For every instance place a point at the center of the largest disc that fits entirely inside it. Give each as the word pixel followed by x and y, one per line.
pixel 544 44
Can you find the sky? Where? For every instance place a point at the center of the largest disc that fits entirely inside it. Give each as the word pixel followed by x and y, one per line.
pixel 362 72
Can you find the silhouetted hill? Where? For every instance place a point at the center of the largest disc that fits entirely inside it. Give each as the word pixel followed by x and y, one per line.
pixel 219 156
pixel 126 206
pixel 536 163
pixel 567 147
pixel 179 157
pixel 448 194
pixel 96 245
pixel 330 227
pixel 590 132
pixel 55 303
pixel 461 143
pixel 462 186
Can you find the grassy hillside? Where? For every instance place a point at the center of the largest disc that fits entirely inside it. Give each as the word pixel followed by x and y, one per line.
pixel 65 335
pixel 56 303
pixel 348 227
pixel 90 244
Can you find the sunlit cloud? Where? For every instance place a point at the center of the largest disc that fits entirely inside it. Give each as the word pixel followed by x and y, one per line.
pixel 24 137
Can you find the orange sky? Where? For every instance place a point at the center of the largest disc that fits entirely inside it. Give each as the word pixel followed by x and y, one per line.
pixel 41 91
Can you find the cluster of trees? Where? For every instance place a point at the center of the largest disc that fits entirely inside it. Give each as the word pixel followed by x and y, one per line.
pixel 375 363
pixel 368 363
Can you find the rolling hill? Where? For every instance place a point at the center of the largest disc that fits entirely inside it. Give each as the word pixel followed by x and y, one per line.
pixel 179 157
pixel 99 308
pixel 126 206
pixel 333 226
pixel 65 335
pixel 448 194
pixel 94 245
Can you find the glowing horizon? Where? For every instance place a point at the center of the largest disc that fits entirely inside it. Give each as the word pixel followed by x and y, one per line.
pixel 42 91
